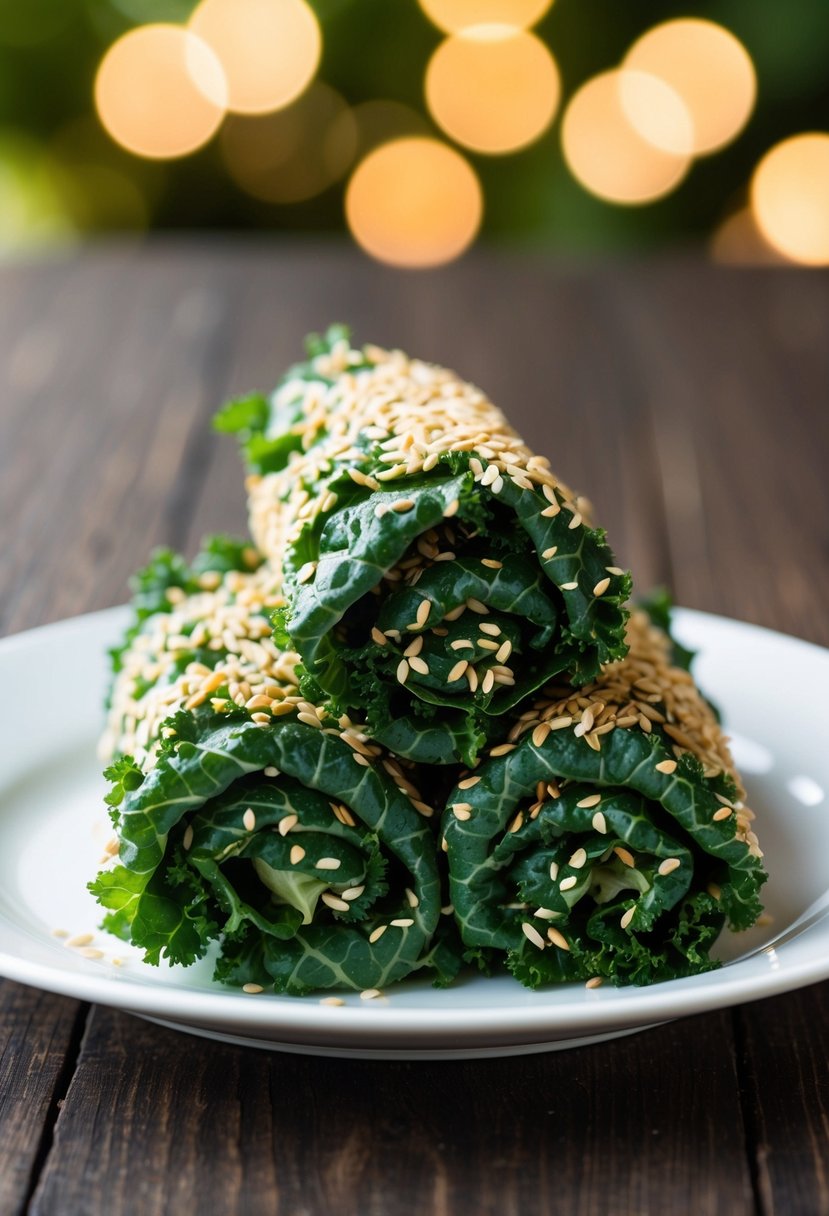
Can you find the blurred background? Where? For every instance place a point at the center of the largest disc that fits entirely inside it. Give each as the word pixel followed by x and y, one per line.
pixel 419 127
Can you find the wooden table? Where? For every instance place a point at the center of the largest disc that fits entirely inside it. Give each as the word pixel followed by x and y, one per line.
pixel 690 404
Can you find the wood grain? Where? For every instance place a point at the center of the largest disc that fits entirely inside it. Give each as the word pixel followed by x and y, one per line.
pixel 689 404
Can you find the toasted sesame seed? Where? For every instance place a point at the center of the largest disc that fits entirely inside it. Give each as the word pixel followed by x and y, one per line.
pixel 666 766
pixel 567 884
pixel 328 863
pixel 627 917
pixel 353 892
pixel 617 570
pixel 492 563
pixel 550 553
pixel 60 933
pixel 82 939
pixel 187 838
pixel 306 572
pixel 91 952
pixel 271 771
pixel 422 614
pixel 332 1000
pixel 502 749
pixel 590 800
pixel 576 521
pixel 308 719
pixel 370 994
pixel 286 823
pixel 532 935
pixel 569 586
pixel 402 671
pixel 517 823
pixel 377 933
pixel 402 504
pixel 490 628
pixel 723 813
pixel 414 648
pixel 378 636
pixel 249 820
pixel 403 922
pixel 550 511
pixel 540 733
pixel 468 782
pixel 488 644
pixel 411 898
pixel 624 856
pixel 578 859
pixel 462 811
pixel 557 938
pixel 601 586
pixel 296 855
pixel 477 606
pixel 599 823
pixel 419 665
pixel 462 644
pixel 488 682
pixel 504 651
pixel 252 989
pixel 331 901
pixel 595 982
pixel 553 871
pixel 669 865
pixel 560 723
pixel 457 671
pixel 358 758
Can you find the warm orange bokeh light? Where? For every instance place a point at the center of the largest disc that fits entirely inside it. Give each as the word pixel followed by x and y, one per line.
pixel 455 15
pixel 269 49
pixel 414 202
pixel 491 89
pixel 603 150
pixel 710 70
pixel 159 92
pixel 294 153
pixel 790 198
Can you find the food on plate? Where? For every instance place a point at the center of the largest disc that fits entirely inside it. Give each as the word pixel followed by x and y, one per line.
pixel 435 571
pixel 269 825
pixel 605 836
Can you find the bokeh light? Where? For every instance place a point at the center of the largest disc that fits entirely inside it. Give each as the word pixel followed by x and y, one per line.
pixel 452 16
pixel 293 153
pixel 269 49
pixel 790 198
pixel 159 91
pixel 606 153
pixel 739 242
pixel 493 88
pixel 709 69
pixel 414 202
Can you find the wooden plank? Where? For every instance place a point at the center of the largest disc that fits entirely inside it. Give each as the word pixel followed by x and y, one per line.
pixel 787 1090
pixel 163 1123
pixel 38 1039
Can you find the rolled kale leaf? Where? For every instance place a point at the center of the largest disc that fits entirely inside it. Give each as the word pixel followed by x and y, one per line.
pixel 436 573
pixel 296 848
pixel 606 837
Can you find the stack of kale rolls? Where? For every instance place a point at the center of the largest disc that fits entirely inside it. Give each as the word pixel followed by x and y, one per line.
pixel 413 725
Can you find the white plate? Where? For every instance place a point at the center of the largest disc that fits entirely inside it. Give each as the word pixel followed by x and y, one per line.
pixel 52 830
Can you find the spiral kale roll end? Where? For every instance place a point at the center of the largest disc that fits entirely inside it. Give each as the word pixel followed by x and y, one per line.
pixel 436 572
pixel 607 835
pixel 254 818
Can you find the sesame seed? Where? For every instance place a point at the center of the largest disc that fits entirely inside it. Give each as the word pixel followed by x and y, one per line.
pixel 553 871
pixel 614 570
pixel 252 989
pixel 490 475
pixel 549 553
pixel 532 935
pixel 378 636
pixel 488 682
pixel 560 723
pixel 91 952
pixel 596 982
pixel 669 865
pixel 457 671
pixel 332 1000
pixel 286 823
pixel 411 898
pixel 328 863
pixel 452 509
pixel 462 644
pixel 666 766
pixel 518 822
pixel 578 859
pixel 306 572
pixel 492 563
pixel 462 811
pixel 550 511
pixel 358 758
pixel 488 644
pixel 490 628
pixel 353 892
pixel 502 749
pixel 504 651
pixel 599 823
pixel 297 853
pixel 404 922
pixel 308 719
pixel 82 939
pixel 271 771
pixel 377 933
pixel 419 665
pixel 60 933
pixel 601 586
pixel 627 917
pixel 414 648
pixel 187 838
pixel 422 614
pixel 477 606
pixel 370 994
pixel 403 504
pixel 249 820
pixel 722 813
pixel 569 586
pixel 575 522
pixel 468 782
pixel 402 671
pixel 540 733
pixel 557 938
pixel 590 800
pixel 567 884
pixel 624 856
pixel 331 901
